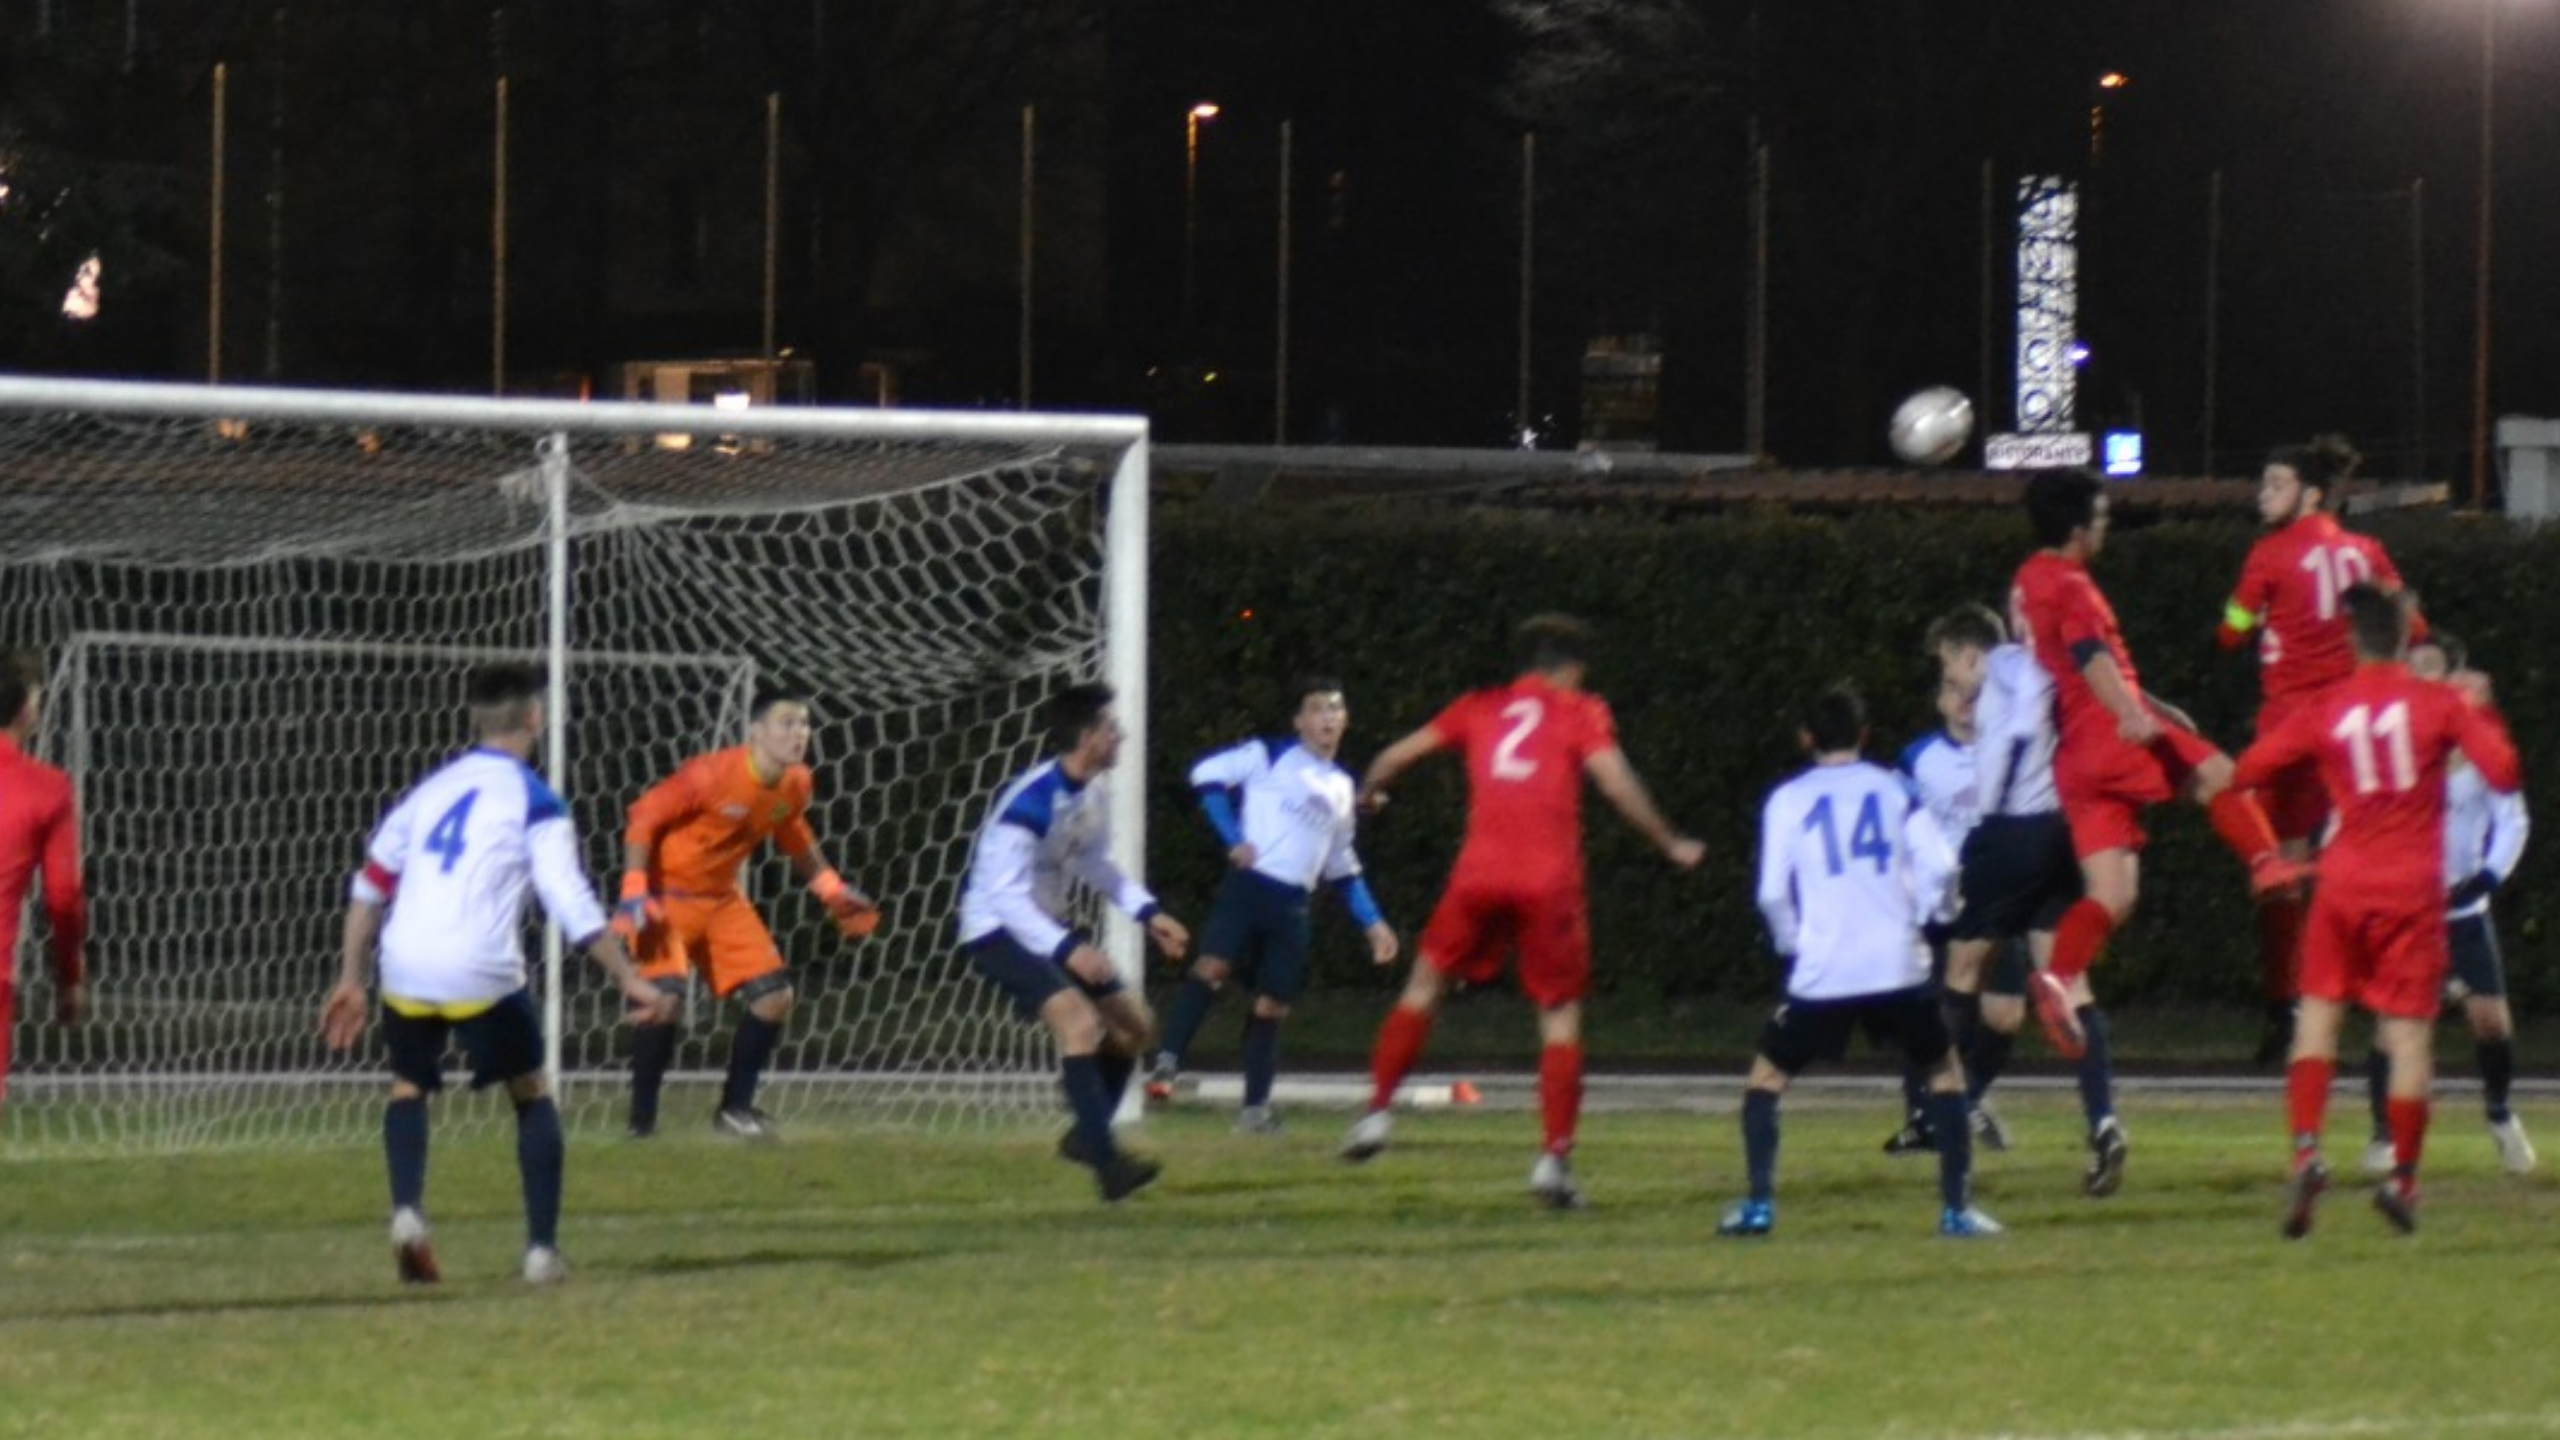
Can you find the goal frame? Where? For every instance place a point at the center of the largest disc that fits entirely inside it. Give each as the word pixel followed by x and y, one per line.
pixel 1125 533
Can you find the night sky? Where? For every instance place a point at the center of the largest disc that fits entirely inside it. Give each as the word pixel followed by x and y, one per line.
pixel 359 177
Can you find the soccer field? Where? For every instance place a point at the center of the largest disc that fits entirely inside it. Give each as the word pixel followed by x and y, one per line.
pixel 866 1283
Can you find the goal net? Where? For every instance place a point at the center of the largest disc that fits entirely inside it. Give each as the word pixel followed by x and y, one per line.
pixel 257 607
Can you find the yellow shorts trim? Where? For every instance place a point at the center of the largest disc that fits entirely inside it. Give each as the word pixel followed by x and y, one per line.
pixel 438 1009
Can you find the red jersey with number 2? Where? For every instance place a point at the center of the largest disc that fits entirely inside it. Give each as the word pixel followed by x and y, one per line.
pixel 1525 745
pixel 2292 583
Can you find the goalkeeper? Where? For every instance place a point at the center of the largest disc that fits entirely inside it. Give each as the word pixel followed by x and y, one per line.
pixel 683 853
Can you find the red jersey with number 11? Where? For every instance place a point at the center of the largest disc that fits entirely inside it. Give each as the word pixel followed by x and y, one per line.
pixel 2381 739
pixel 1525 744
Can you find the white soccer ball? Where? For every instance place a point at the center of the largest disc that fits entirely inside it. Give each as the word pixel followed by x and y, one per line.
pixel 1931 426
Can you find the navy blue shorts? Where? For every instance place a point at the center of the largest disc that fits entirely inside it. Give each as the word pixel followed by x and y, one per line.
pixel 1804 1031
pixel 1259 926
pixel 1030 979
pixel 2477 968
pixel 503 1042
pixel 2019 875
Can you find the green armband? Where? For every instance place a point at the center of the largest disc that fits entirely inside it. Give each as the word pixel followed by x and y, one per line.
pixel 2238 619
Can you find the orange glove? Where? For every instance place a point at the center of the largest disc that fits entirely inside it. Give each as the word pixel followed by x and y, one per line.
pixel 639 910
pixel 853 912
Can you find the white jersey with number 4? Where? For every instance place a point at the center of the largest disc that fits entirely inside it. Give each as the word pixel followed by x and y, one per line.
pixel 1850 865
pixel 454 859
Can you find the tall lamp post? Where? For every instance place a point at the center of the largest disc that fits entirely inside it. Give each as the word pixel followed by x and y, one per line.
pixel 2480 294
pixel 1205 110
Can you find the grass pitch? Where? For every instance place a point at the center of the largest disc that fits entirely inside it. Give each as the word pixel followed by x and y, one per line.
pixel 873 1284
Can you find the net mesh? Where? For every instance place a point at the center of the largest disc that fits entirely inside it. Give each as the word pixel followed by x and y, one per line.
pixel 257 632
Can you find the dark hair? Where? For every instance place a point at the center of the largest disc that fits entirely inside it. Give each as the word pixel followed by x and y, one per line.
pixel 1968 626
pixel 1549 642
pixel 2061 501
pixel 1315 685
pixel 1073 711
pixel 2376 621
pixel 1837 719
pixel 2457 656
pixel 21 675
pixel 2321 463
pixel 501 696
pixel 768 696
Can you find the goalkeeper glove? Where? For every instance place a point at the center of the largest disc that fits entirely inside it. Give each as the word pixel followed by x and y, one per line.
pixel 638 910
pixel 853 912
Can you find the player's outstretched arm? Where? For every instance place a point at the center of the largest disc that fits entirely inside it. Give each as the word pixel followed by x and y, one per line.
pixel 2106 682
pixel 1394 761
pixel 1626 793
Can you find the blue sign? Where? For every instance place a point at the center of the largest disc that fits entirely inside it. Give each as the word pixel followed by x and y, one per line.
pixel 2122 450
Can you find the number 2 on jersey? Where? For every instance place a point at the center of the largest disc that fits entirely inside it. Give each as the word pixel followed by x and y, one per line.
pixel 1524 716
pixel 1866 838
pixel 2360 729
pixel 444 838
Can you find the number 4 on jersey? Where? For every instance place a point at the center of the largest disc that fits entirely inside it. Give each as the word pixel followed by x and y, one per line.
pixel 444 838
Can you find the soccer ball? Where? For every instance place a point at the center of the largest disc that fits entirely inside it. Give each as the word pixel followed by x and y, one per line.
pixel 1931 426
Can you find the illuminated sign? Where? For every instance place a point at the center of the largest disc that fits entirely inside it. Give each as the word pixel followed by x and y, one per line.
pixel 2048 303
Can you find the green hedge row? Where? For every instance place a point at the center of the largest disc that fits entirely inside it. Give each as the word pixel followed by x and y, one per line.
pixel 1712 628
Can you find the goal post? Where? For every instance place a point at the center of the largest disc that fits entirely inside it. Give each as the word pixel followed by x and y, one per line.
pixel 258 604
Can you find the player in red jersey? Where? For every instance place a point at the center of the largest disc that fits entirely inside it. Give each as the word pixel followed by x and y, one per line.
pixel 37 832
pixel 2376 933
pixel 2288 602
pixel 2120 751
pixel 1518 879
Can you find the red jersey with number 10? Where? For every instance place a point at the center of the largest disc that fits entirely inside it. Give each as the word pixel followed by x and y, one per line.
pixel 2381 739
pixel 1525 744
pixel 2290 585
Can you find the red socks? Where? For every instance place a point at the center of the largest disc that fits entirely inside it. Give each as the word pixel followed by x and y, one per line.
pixel 2408 1122
pixel 2306 1099
pixel 1560 1094
pixel 2242 823
pixel 2079 937
pixel 1399 1045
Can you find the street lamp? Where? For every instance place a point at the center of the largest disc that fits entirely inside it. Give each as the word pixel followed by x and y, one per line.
pixel 2480 295
pixel 1205 110
pixel 2110 81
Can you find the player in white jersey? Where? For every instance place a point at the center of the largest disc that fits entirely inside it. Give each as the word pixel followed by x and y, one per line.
pixel 1850 867
pixel 2020 876
pixel 451 864
pixel 1049 830
pixel 1284 809
pixel 2484 835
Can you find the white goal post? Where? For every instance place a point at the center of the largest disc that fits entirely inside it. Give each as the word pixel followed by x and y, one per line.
pixel 257 606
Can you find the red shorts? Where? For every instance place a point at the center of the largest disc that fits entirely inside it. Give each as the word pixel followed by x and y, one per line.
pixel 2387 956
pixel 1481 917
pixel 721 935
pixel 2104 793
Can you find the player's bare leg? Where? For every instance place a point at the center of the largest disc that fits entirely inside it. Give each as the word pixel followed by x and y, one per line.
pixel 1082 1029
pixel 2307 1079
pixel 2493 1029
pixel 541 1159
pixel 1191 1005
pixel 2111 880
pixel 1757 1213
pixel 1400 1040
pixel 404 1152
pixel 1559 1104
pixel 2411 1045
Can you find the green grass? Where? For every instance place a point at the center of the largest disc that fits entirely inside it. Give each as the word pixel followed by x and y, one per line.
pixel 882 1284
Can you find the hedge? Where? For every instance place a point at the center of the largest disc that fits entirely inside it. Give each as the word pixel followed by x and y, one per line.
pixel 1711 629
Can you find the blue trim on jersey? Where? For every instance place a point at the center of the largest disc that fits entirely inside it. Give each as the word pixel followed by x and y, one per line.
pixel 541 802
pixel 1275 746
pixel 1037 805
pixel 1218 802
pixel 1364 906
pixel 1909 764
